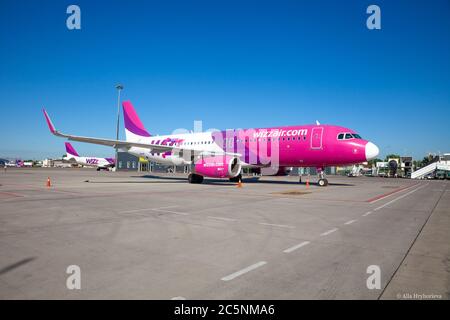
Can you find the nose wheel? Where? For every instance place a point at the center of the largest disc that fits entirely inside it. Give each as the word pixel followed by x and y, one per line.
pixel 323 182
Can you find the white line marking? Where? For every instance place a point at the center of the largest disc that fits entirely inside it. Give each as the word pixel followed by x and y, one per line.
pixel 276 225
pixel 398 198
pixel 245 270
pixel 329 232
pixel 350 222
pixel 166 207
pixel 174 212
pixel 220 218
pixel 393 193
pixel 298 246
pixel 367 213
pixel 146 209
pixel 178 298
pixel 137 210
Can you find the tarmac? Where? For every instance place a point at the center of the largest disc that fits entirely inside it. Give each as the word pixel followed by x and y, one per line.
pixel 144 236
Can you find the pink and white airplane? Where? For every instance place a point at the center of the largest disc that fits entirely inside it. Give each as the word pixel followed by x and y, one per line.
pixel 99 163
pixel 223 154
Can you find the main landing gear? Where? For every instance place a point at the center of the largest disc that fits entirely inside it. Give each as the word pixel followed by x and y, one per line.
pixel 323 182
pixel 237 178
pixel 195 178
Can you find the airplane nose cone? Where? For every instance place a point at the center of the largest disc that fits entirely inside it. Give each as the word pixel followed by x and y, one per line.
pixel 372 151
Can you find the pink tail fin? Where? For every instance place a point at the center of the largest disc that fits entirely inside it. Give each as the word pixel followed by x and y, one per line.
pixel 70 150
pixel 132 122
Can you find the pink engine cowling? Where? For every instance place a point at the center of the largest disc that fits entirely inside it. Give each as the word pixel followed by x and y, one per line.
pixel 218 166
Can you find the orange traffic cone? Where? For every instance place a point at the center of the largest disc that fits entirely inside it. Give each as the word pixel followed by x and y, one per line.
pixel 49 184
pixel 307 182
pixel 239 185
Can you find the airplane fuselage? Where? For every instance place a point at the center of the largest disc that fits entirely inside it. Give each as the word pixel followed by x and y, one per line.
pixel 296 146
pixel 90 161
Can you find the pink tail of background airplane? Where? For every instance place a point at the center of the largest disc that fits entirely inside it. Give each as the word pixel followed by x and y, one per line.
pixel 223 154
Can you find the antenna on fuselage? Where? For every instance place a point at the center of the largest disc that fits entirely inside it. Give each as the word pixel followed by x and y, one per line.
pixel 317 122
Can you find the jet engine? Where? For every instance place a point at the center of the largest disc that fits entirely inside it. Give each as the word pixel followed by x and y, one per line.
pixel 218 166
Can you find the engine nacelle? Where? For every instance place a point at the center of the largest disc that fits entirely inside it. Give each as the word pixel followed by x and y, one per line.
pixel 218 166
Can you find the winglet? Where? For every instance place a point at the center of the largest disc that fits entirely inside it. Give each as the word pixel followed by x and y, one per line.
pixel 49 122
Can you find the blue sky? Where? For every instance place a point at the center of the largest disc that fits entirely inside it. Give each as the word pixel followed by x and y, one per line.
pixel 231 64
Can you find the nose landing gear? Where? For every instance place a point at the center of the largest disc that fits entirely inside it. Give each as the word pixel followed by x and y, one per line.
pixel 323 182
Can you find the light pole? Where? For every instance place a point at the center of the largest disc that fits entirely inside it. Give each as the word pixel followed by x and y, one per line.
pixel 119 88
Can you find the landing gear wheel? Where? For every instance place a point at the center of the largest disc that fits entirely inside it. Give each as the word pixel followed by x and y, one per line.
pixel 322 182
pixel 237 178
pixel 195 178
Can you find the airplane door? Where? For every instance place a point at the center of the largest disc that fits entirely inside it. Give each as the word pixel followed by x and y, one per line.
pixel 316 138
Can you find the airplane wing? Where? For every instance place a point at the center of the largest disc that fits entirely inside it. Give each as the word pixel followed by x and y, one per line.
pixel 105 142
pixel 117 143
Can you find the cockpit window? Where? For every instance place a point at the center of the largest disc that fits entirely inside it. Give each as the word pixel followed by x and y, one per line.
pixel 348 136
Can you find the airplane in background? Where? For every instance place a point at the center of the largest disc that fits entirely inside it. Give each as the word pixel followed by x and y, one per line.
pixel 100 163
pixel 223 154
pixel 14 163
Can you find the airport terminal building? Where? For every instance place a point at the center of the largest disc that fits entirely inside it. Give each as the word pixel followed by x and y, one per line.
pixel 129 162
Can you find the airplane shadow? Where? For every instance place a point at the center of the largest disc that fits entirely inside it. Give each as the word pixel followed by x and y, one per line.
pixel 165 179
pixel 296 182
pixel 169 179
pixel 138 182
